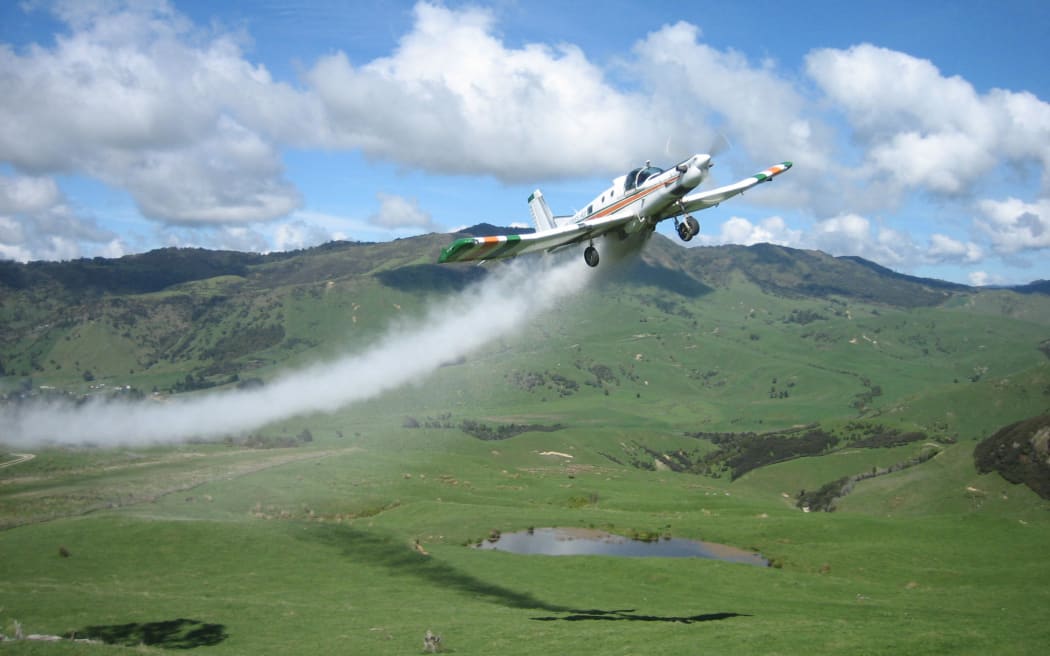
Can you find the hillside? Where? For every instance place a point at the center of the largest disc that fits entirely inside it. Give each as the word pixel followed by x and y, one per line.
pixel 719 339
pixel 724 321
pixel 708 393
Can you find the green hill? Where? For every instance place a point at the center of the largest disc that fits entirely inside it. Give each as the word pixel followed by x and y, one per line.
pixel 705 393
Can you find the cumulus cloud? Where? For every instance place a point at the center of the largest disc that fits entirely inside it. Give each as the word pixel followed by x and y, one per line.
pixel 983 279
pixel 299 234
pixel 396 212
pixel 245 238
pixel 772 230
pixel 37 222
pixel 454 98
pixel 944 248
pixel 130 96
pixel 1014 225
pixel 923 129
pixel 851 234
pixel 763 111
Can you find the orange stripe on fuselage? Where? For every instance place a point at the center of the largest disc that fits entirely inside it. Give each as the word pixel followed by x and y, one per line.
pixel 486 244
pixel 630 199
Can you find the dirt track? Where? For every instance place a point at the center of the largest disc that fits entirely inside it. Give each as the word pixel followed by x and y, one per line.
pixel 19 458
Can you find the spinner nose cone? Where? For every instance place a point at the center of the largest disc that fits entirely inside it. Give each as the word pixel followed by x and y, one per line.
pixel 695 172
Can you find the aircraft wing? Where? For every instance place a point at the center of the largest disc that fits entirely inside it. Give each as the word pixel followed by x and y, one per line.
pixel 469 249
pixel 704 199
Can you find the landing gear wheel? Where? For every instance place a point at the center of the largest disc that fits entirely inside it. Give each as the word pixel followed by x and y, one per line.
pixel 694 226
pixel 687 228
pixel 590 256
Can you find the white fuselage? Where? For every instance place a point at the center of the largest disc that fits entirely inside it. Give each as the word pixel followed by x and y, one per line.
pixel 647 193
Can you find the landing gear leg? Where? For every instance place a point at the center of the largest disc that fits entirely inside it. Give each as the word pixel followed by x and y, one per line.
pixel 590 256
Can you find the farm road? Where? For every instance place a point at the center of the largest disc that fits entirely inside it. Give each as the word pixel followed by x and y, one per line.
pixel 19 458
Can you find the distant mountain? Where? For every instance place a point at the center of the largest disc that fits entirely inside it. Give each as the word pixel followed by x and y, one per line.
pixel 775 269
pixel 800 273
pixel 131 274
pixel 489 230
pixel 1037 287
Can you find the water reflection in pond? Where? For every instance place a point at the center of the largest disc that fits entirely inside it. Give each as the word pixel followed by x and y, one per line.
pixel 589 542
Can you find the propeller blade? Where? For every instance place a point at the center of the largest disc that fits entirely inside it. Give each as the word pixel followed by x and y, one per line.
pixel 720 145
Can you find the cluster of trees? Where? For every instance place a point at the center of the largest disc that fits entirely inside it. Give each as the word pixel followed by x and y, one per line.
pixel 824 498
pixel 740 453
pixel 862 400
pixel 478 429
pixel 803 317
pixel 530 380
pixel 887 438
pixel 198 382
pixel 503 431
pixel 774 393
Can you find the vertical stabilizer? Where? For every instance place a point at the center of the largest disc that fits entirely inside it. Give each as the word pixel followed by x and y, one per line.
pixel 541 213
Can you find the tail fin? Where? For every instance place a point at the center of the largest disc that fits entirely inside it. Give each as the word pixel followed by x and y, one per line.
pixel 541 213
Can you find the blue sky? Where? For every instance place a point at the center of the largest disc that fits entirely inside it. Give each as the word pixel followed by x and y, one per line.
pixel 920 131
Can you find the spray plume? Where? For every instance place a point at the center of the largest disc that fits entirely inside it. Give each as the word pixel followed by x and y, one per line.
pixel 456 326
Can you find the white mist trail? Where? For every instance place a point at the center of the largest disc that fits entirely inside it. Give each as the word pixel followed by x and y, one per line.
pixel 455 327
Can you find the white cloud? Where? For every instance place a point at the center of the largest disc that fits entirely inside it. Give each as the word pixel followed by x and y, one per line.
pixel 245 238
pixel 923 129
pixel 24 194
pixel 851 234
pixel 454 98
pixel 944 248
pixel 298 234
pixel 1014 225
pixel 945 162
pixel 772 230
pixel 396 212
pixel 133 96
pixel 37 223
pixel 983 279
pixel 231 176
pixel 692 85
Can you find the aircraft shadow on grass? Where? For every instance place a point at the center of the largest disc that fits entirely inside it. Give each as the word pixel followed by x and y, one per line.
pixel 378 550
pixel 627 615
pixel 179 633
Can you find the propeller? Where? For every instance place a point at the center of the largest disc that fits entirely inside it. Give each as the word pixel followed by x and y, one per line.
pixel 719 145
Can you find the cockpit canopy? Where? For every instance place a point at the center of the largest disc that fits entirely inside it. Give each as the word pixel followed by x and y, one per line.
pixel 639 176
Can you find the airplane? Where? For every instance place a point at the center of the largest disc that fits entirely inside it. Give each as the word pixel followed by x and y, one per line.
pixel 630 208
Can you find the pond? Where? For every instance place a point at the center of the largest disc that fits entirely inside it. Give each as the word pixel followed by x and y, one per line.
pixel 590 542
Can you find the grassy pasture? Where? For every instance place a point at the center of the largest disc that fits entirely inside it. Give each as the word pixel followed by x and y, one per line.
pixel 313 553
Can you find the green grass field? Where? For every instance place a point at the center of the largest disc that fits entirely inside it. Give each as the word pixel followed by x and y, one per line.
pixel 310 550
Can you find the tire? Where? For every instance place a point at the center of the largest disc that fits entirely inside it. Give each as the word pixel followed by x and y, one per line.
pixel 590 256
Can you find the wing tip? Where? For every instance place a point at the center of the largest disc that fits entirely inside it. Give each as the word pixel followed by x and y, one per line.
pixel 452 252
